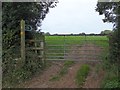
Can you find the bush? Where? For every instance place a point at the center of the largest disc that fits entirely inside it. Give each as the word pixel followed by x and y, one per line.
pixel 82 74
pixel 13 74
pixel 114 43
pixel 111 79
pixel 111 82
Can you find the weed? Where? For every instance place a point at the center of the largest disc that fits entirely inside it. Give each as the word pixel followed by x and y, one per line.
pixel 63 71
pixel 55 78
pixel 68 63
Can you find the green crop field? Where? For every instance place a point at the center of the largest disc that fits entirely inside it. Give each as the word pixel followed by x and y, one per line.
pixel 56 45
pixel 72 40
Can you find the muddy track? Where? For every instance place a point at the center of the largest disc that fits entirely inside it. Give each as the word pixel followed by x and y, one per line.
pixel 68 80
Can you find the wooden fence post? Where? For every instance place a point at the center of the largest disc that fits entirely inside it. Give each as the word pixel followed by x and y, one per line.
pixel 42 51
pixel 64 45
pixel 22 24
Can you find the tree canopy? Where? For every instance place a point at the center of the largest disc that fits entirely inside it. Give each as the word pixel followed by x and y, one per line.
pixel 111 11
pixel 108 9
pixel 12 13
pixel 106 32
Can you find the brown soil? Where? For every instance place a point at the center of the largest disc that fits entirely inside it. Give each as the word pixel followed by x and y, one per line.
pixel 68 80
pixel 94 79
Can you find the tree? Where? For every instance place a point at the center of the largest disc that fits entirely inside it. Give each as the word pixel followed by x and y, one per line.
pixel 12 13
pixel 47 34
pixel 108 9
pixel 106 32
pixel 83 34
pixel 111 11
pixel 91 34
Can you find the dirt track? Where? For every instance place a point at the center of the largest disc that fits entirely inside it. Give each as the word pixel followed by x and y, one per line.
pixel 68 81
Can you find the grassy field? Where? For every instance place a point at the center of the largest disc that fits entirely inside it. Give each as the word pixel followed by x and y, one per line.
pixel 57 45
pixel 71 40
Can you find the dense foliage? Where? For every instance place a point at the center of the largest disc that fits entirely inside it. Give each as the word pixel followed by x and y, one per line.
pixel 12 13
pixel 111 11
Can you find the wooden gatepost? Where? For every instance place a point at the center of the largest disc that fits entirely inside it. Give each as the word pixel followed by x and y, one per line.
pixel 39 45
pixel 22 33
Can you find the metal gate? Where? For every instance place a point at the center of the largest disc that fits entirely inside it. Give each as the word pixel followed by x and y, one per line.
pixel 76 48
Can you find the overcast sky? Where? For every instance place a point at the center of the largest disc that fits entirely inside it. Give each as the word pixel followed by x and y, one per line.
pixel 74 16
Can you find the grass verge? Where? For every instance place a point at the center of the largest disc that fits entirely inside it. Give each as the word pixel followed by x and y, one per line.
pixel 82 74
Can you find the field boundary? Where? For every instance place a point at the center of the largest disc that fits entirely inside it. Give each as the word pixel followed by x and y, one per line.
pixel 74 50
